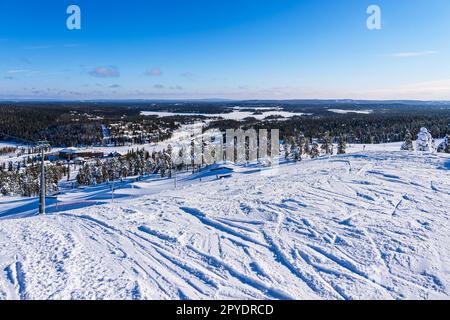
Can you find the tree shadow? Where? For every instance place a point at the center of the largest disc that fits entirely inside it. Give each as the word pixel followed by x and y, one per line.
pixel 447 165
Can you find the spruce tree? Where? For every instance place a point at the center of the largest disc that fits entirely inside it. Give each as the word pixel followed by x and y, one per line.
pixel 424 141
pixel 168 160
pixel 287 149
pixel 295 149
pixel 408 144
pixel 447 140
pixel 314 152
pixel 301 145
pixel 445 145
pixel 307 146
pixel 327 144
pixel 342 146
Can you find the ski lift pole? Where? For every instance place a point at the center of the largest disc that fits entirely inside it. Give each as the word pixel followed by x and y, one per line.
pixel 42 185
pixel 42 145
pixel 175 179
pixel 112 192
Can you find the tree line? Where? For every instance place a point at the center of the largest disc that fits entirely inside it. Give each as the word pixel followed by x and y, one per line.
pixel 381 127
pixel 26 182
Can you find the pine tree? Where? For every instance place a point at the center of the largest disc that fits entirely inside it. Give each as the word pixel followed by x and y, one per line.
pixel 181 159
pixel 327 144
pixel 301 144
pixel 162 164
pixel 408 144
pixel 424 141
pixel 342 146
pixel 447 141
pixel 294 149
pixel 168 160
pixel 307 146
pixel 287 149
pixel 445 145
pixel 314 152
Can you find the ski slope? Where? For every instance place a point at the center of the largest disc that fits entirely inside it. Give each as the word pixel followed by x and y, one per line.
pixel 367 225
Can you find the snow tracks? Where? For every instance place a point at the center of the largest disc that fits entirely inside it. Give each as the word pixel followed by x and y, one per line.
pixel 369 226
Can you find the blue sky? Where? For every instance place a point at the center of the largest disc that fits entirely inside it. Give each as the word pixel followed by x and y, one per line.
pixel 247 49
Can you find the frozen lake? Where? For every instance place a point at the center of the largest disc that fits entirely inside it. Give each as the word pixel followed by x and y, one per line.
pixel 235 115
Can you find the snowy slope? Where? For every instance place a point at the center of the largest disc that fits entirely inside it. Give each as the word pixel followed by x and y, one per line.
pixel 359 226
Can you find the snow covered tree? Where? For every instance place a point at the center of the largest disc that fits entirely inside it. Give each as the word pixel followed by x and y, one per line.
pixel 97 173
pixel 26 182
pixel 181 156
pixel 301 144
pixel 314 152
pixel 192 154
pixel 327 144
pixel 85 175
pixel 113 168
pixel 141 162
pixel 8 183
pixel 445 145
pixel 342 145
pixel 424 141
pixel 162 164
pixel 408 144
pixel 149 165
pixel 124 169
pixel 287 149
pixel 294 149
pixel 307 146
pixel 168 160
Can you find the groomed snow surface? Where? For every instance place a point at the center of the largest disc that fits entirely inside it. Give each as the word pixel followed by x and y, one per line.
pixel 368 225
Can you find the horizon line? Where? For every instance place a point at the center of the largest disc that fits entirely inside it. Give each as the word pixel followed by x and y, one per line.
pixel 213 100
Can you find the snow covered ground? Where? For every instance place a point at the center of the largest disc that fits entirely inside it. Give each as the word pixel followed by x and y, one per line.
pixel 345 111
pixel 8 144
pixel 372 224
pixel 234 115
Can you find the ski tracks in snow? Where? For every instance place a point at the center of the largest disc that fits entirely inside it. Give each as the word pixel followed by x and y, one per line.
pixel 346 227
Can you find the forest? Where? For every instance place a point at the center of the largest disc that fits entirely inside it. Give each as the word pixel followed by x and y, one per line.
pixel 377 127
pixel 80 124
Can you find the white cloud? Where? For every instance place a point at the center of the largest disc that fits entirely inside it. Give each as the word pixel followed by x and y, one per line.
pixel 105 72
pixel 155 72
pixel 413 54
pixel 14 71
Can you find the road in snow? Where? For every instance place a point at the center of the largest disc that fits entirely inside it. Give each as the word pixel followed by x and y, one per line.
pixel 359 226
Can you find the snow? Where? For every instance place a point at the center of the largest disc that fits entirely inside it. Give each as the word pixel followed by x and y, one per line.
pixel 425 141
pixel 234 115
pixel 345 111
pixel 371 224
pixel 179 136
pixel 4 144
